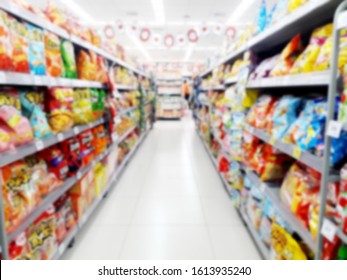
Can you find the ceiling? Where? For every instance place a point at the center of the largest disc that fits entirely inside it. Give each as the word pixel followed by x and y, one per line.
pixel 175 17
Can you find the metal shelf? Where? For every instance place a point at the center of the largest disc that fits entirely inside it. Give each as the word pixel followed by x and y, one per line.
pixel 120 139
pixel 300 80
pixel 264 250
pixel 214 88
pixel 126 87
pixel 231 81
pixel 309 159
pixel 28 16
pixel 22 79
pixel 271 191
pixel 40 144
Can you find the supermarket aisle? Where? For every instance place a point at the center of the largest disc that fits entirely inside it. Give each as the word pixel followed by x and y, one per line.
pixel 169 204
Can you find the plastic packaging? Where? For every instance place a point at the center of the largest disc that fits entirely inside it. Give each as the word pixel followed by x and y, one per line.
pixel 69 61
pixel 37 61
pixel 54 59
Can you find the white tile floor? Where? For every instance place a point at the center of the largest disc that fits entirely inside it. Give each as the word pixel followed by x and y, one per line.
pixel 168 204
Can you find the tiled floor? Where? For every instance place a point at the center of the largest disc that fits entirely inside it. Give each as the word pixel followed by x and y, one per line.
pixel 168 204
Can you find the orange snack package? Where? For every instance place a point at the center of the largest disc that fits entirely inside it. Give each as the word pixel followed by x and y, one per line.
pixel 54 62
pixel 5 43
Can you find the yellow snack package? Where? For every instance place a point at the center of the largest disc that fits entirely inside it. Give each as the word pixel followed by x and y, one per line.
pixel 82 107
pixel 295 4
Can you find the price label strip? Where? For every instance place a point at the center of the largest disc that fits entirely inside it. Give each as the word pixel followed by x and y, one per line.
pixel 334 129
pixel 39 145
pixel 329 230
pixel 297 152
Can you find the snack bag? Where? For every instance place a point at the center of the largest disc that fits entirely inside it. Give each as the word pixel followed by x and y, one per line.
pixel 12 120
pixel 5 43
pixel 69 61
pixel 261 21
pixel 56 162
pixel 32 107
pixel 306 61
pixel 343 102
pixel 295 4
pixel 44 180
pixel 99 139
pixel 86 65
pixel 280 11
pixel 20 46
pixel 284 245
pixel 101 72
pixel 72 152
pixel 54 60
pixel 285 113
pixel 6 139
pixel 59 109
pixel 37 59
pixel 288 57
pixel 87 149
pixel 18 248
pixel 98 102
pixel 19 192
pixel 82 106
pixel 257 116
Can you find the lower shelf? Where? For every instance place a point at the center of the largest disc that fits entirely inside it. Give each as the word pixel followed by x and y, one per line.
pixel 84 219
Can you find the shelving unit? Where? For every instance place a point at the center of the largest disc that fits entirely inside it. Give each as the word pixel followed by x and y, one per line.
pixel 303 20
pixel 28 80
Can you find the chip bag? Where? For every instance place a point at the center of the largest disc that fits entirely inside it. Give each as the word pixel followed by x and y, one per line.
pixel 72 152
pixel 257 116
pixel 295 4
pixel 69 61
pixel 87 149
pixel 100 140
pixel 54 59
pixel 59 109
pixel 82 106
pixel 86 65
pixel 56 162
pixel 5 43
pixel 37 61
pixel 18 248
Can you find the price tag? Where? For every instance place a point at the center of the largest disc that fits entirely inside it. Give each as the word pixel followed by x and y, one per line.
pixel 262 188
pixel 60 137
pixel 90 125
pixel 329 230
pixel 76 130
pixel 297 153
pixel 38 80
pixel 272 141
pixel 114 137
pixel 117 120
pixel 2 77
pixel 39 145
pixel 334 129
pixel 78 175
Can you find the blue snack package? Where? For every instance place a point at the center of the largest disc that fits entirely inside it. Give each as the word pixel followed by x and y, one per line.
pixel 285 114
pixel 37 60
pixel 262 19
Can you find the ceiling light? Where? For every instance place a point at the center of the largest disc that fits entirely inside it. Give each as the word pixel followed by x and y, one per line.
pixel 189 52
pixel 140 46
pixel 159 11
pixel 240 11
pixel 77 9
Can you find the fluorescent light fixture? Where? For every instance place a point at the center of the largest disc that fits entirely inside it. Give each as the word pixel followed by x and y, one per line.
pixel 140 46
pixel 159 11
pixel 240 11
pixel 189 52
pixel 77 9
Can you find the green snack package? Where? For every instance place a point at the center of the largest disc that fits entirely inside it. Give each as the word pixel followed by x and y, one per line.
pixel 69 60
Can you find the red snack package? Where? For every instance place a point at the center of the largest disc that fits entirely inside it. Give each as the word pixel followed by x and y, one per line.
pixel 72 152
pixel 87 149
pixel 20 45
pixel 100 140
pixel 59 109
pixel 18 248
pixel 249 146
pixel 5 43
pixel 101 73
pixel 56 162
pixel 258 115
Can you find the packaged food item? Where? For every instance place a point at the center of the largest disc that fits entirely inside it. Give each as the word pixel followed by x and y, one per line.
pixel 18 248
pixel 299 190
pixel 261 20
pixel 19 193
pixel 82 106
pixel 54 59
pixel 295 4
pixel 265 67
pixel 37 61
pixel 343 102
pixel 257 116
pixel 284 245
pixel 100 140
pixel 249 145
pixel 285 113
pixel 69 60
pixel 20 46
pixel 72 152
pixel 98 102
pixel 86 66
pixel 288 56
pixel 5 43
pixel 280 11
pixel 87 149
pixel 100 178
pixel 101 72
pixel 6 139
pixel 32 107
pixel 41 236
pixel 59 109
pixel 306 61
pixel 56 162
pixel 341 207
pixel 12 120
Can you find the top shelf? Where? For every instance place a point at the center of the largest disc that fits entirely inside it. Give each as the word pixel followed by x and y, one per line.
pixel 19 12
pixel 302 20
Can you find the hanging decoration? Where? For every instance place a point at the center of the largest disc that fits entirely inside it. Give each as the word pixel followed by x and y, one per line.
pixel 204 30
pixel 109 32
pixel 145 34
pixel 230 32
pixel 192 35
pixel 218 29
pixel 181 40
pixel 120 27
pixel 169 41
pixel 156 39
